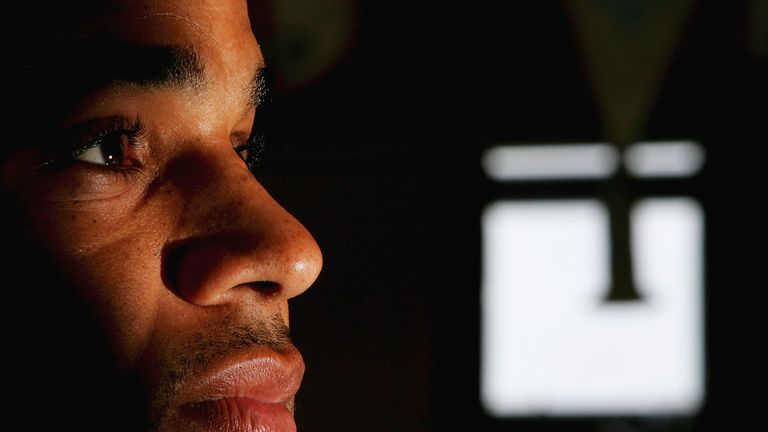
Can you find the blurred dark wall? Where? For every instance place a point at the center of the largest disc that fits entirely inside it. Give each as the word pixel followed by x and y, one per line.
pixel 379 157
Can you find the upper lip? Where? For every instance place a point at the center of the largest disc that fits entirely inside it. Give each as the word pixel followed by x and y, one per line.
pixel 261 374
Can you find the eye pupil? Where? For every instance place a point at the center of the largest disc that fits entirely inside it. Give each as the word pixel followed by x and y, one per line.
pixel 113 147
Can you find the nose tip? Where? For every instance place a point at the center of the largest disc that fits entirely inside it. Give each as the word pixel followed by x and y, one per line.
pixel 218 269
pixel 239 240
pixel 305 271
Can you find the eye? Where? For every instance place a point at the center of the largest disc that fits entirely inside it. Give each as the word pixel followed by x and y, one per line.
pixel 109 150
pixel 109 142
pixel 243 152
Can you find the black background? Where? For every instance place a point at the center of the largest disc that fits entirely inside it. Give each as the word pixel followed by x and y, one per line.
pixel 379 158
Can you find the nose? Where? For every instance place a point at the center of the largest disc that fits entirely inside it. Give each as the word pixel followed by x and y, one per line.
pixel 233 239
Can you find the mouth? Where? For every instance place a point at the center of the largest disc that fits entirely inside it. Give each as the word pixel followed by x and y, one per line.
pixel 254 392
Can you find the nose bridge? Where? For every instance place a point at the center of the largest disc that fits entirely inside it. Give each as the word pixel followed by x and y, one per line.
pixel 233 234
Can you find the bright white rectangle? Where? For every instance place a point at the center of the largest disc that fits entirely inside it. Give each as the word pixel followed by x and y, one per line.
pixel 550 162
pixel 664 159
pixel 551 346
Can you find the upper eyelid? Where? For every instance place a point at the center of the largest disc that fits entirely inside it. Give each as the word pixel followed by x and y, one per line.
pixel 63 145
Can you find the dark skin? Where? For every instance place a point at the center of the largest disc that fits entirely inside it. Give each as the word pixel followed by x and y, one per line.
pixel 178 262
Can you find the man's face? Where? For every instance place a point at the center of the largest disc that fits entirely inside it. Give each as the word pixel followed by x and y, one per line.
pixel 140 196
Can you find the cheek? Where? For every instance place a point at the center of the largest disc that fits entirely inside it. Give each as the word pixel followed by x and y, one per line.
pixel 113 260
pixel 121 285
pixel 123 293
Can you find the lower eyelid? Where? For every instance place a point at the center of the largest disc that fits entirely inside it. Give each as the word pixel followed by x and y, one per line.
pixel 89 182
pixel 104 175
pixel 93 187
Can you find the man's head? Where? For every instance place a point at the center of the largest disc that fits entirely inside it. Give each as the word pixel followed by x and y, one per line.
pixel 160 269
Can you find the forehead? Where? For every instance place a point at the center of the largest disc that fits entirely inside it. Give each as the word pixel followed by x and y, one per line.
pixel 92 41
pixel 216 29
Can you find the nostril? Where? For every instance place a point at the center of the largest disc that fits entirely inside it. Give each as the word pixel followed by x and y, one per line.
pixel 266 288
pixel 200 269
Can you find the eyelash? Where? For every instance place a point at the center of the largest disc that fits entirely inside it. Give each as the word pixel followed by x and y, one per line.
pixel 63 149
pixel 255 148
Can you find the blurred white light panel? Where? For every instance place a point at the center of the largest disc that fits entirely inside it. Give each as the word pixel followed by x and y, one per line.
pixel 552 346
pixel 550 162
pixel 664 159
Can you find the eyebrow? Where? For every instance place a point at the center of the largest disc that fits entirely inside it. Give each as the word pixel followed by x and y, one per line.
pixel 94 64
pixel 98 64
pixel 164 66
pixel 257 88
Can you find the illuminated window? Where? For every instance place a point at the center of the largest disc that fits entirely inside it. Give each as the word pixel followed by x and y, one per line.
pixel 552 162
pixel 552 344
pixel 664 159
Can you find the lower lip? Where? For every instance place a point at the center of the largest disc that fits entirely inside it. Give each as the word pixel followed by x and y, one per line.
pixel 239 414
